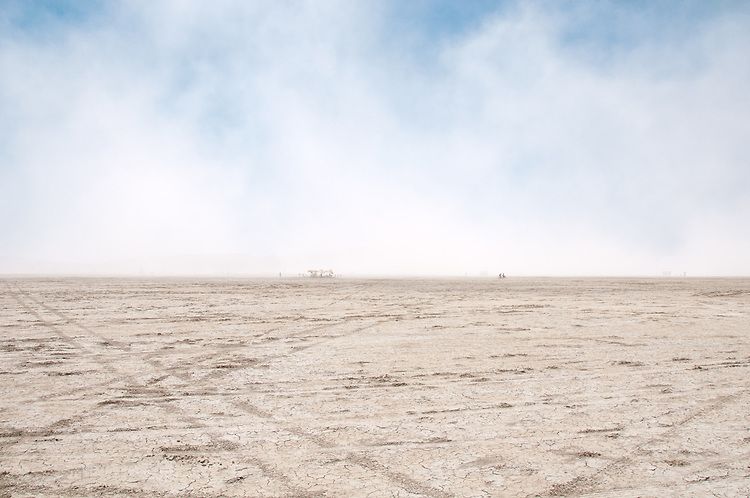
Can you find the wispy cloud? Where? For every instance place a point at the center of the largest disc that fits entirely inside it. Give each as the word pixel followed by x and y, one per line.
pixel 181 137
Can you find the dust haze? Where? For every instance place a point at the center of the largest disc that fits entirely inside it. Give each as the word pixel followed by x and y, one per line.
pixel 374 248
pixel 374 138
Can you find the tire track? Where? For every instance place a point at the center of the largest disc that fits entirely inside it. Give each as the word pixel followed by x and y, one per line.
pixel 590 483
pixel 184 417
pixel 398 479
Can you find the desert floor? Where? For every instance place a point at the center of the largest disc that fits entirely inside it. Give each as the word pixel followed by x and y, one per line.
pixel 339 387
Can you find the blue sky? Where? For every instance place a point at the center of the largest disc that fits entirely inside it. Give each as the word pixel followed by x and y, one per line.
pixel 426 137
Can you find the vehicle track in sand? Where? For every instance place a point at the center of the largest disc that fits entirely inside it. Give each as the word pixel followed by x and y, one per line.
pixel 399 479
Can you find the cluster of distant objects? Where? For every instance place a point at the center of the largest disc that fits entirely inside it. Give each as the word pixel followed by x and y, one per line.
pixel 320 273
pixel 501 275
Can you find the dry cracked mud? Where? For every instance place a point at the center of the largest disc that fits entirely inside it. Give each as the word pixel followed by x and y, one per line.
pixel 515 387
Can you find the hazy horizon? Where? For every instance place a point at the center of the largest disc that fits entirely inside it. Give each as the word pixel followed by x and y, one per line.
pixel 270 275
pixel 375 138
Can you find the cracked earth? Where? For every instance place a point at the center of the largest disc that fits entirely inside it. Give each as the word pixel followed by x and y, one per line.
pixel 516 387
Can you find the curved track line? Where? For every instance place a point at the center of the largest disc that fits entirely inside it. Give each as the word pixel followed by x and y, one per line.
pixel 400 480
pixel 588 483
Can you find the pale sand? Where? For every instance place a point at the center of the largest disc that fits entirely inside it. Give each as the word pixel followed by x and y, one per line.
pixel 375 387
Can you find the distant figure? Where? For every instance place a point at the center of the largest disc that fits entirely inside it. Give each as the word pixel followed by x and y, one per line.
pixel 501 275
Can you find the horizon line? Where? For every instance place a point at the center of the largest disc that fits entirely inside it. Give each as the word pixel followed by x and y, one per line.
pixel 394 276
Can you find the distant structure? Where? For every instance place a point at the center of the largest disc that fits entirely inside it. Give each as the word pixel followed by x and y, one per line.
pixel 320 273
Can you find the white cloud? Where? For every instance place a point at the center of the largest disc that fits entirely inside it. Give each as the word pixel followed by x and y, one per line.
pixel 178 138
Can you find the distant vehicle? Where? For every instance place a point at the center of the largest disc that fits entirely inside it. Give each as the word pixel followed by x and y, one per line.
pixel 320 273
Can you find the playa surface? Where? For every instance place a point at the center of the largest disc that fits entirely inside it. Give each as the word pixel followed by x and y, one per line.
pixel 339 387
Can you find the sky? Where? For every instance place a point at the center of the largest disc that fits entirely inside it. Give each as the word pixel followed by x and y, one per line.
pixel 181 137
